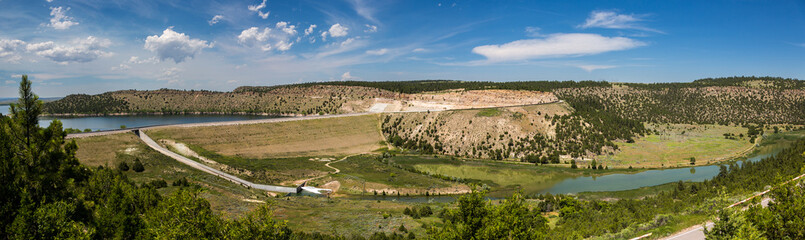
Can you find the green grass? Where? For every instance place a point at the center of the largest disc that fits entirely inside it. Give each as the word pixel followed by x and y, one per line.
pixel 503 178
pixel 676 144
pixel 489 112
pixel 368 168
pixel 349 217
pixel 627 194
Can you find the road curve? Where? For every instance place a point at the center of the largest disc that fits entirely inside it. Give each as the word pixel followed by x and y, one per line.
pixel 204 168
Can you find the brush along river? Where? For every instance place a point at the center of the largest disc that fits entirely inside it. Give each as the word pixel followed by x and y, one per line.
pixel 606 182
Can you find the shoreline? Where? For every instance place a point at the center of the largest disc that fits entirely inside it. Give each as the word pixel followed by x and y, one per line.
pixel 178 114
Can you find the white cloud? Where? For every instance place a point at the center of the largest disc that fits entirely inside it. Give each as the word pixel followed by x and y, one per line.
pixel 287 28
pixel 59 19
pixel 176 46
pixel 532 31
pixel 80 51
pixel 137 60
pixel 215 19
pixel 347 42
pixel 171 75
pixel 370 28
pixel 278 38
pixel 346 77
pixel 283 46
pixel 613 20
pixel 10 82
pixel 49 0
pixel 590 68
pixel 253 37
pixel 419 50
pixel 258 9
pixel 336 30
pixel 121 67
pixel 378 51
pixel 555 45
pixel 309 30
pixel 10 50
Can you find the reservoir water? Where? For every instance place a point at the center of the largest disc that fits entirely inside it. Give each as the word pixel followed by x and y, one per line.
pixel 114 122
pixel 623 181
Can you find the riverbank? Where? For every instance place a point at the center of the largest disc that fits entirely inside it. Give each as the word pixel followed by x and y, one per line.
pixel 178 114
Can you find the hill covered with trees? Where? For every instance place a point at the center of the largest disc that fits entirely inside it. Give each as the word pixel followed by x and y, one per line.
pixel 309 100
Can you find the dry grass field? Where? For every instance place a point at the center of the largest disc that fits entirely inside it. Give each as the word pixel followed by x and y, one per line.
pixel 677 143
pixel 318 137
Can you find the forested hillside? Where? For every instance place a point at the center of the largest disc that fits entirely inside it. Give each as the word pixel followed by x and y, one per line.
pixel 533 133
pixel 290 100
pixel 711 105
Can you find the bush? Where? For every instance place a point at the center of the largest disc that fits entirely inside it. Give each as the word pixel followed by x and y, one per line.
pixel 156 184
pixel 181 183
pixel 123 166
pixel 138 166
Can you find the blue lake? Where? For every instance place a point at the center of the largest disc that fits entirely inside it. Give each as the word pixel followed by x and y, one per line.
pixel 114 122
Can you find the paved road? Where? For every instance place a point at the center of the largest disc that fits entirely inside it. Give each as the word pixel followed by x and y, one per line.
pixel 698 232
pixel 151 143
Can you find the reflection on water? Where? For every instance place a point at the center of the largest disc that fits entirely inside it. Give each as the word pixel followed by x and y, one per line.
pixel 114 122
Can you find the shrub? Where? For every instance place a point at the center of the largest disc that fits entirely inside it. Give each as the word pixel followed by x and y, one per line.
pixel 138 166
pixel 123 166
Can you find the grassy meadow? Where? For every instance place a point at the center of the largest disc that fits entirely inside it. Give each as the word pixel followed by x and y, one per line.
pixel 316 137
pixel 366 171
pixel 677 143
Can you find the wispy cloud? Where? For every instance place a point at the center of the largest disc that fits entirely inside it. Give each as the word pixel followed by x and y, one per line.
pixel 613 20
pixel 258 9
pixel 215 19
pixel 364 10
pixel 80 51
pixel 555 46
pixel 378 52
pixel 590 68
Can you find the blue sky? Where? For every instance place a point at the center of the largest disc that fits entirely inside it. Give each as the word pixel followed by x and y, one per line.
pixel 93 46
